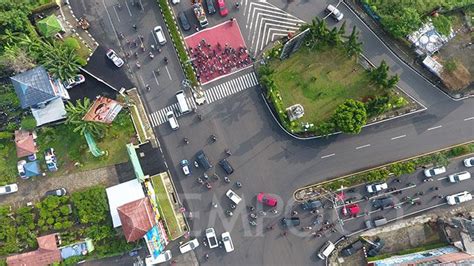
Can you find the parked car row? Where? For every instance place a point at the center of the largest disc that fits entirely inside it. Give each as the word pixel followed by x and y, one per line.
pixel 213 243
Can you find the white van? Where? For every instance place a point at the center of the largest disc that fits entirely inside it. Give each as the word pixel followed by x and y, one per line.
pixel 227 240
pixel 172 120
pixel 459 198
pixel 163 257
pixel 457 177
pixel 160 35
pixel 326 250
pixel 182 104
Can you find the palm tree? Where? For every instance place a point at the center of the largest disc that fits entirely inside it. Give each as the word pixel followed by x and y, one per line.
pixel 9 37
pixel 342 29
pixel 75 115
pixel 61 61
pixel 353 46
pixel 334 38
pixel 33 46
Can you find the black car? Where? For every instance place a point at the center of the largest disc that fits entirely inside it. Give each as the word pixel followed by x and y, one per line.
pixel 382 203
pixel 311 205
pixel 183 20
pixel 202 159
pixel 210 7
pixel 226 166
pixel 56 192
pixel 352 248
pixel 292 221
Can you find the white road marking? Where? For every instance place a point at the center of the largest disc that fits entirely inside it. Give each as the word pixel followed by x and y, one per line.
pixel 442 178
pixel 327 156
pixel 169 75
pixel 110 20
pixel 128 8
pixel 398 137
pixel 469 118
pixel 116 14
pixel 156 78
pixel 431 128
pixel 363 146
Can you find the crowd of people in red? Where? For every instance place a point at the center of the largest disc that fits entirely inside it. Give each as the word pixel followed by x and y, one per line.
pixel 211 61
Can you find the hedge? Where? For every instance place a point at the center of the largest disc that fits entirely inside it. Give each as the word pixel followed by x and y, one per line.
pixel 176 37
pixel 401 168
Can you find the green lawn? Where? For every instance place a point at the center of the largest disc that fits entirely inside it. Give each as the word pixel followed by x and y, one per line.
pixel 8 160
pixel 71 147
pixel 320 81
pixel 166 209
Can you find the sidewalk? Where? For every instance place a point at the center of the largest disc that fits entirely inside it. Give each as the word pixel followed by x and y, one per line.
pixel 70 23
pixel 32 190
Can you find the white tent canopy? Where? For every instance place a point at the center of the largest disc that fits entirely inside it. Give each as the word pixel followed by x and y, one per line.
pixel 121 194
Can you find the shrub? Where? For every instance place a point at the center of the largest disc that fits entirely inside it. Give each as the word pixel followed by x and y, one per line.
pixel 91 205
pixel 6 135
pixel 450 65
pixel 442 24
pixel 458 151
pixel 72 43
pixel 58 226
pixel 50 221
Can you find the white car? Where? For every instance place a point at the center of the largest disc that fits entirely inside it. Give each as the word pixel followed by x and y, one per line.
pixel 211 238
pixel 374 188
pixel 114 57
pixel 185 167
pixel 78 79
pixel 459 198
pixel 160 35
pixel 175 2
pixel 163 257
pixel 8 189
pixel 335 13
pixel 430 172
pixel 233 197
pixel 227 240
pixel 469 162
pixel 188 246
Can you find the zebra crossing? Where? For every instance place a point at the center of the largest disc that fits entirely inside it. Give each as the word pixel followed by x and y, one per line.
pixel 159 117
pixel 266 23
pixel 231 87
pixel 213 94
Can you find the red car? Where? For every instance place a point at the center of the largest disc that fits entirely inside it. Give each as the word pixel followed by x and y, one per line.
pixel 222 8
pixel 267 199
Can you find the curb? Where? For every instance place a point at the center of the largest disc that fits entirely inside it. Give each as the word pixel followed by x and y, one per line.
pixel 423 108
pixel 382 166
pixel 349 6
pixel 91 49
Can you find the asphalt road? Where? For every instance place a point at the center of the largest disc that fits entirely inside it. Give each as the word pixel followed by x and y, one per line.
pixel 264 157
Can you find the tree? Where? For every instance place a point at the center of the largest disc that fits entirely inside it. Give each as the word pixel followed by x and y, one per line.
pixel 75 115
pixel 352 45
pixel 380 76
pixel 402 21
pixel 16 60
pixel 326 128
pixel 350 116
pixel 334 38
pixel 60 60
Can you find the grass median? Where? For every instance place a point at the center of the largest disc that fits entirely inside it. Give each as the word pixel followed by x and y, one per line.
pixel 320 81
pixel 165 208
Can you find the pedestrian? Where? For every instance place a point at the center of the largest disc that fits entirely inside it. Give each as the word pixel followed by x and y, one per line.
pixel 283 233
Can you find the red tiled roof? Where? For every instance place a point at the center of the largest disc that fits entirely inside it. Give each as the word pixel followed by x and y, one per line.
pixel 46 254
pixel 137 218
pixel 25 144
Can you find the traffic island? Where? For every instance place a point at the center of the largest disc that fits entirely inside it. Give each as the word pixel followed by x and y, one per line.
pixel 384 172
pixel 169 206
pixel 318 85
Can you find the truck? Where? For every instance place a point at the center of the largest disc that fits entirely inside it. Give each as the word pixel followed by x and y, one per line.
pixel 200 14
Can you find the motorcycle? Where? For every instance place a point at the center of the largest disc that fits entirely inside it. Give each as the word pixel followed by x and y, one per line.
pixel 151 55
pixel 253 223
pixel 166 60
pixel 206 176
pixel 238 184
pixel 200 181
pixel 196 164
pixel 229 213
pixel 232 206
pixel 186 140
pixel 226 179
pixel 427 180
pixel 208 185
pixel 227 151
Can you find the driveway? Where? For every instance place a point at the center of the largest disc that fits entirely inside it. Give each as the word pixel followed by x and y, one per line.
pixel 33 190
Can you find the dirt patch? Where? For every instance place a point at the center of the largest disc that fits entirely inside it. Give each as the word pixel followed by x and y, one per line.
pixel 458 49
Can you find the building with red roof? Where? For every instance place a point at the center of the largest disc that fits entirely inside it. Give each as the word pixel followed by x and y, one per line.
pixel 46 254
pixel 25 143
pixel 137 218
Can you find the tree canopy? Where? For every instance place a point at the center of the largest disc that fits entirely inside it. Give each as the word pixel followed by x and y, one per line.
pixel 350 116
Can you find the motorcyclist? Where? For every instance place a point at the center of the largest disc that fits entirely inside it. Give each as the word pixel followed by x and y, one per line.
pixel 166 60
